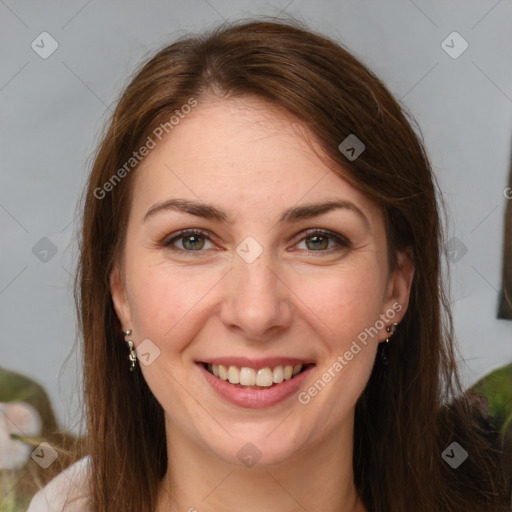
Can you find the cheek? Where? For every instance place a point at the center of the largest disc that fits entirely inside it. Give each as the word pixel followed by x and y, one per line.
pixel 347 301
pixel 163 300
pixel 346 306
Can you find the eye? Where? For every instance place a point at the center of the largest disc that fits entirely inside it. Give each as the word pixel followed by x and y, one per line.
pixel 321 240
pixel 197 240
pixel 188 240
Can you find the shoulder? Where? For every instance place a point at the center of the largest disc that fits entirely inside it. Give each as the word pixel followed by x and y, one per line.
pixel 67 492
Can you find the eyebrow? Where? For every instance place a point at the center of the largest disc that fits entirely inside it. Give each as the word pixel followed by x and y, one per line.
pixel 293 214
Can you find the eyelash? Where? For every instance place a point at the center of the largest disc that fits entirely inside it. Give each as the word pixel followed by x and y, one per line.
pixel 343 242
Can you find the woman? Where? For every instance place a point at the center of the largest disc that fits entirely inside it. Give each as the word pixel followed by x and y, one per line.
pixel 261 225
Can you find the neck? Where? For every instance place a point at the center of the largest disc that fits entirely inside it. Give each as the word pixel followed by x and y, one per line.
pixel 317 478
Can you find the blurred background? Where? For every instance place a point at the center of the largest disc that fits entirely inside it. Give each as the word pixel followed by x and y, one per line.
pixel 63 65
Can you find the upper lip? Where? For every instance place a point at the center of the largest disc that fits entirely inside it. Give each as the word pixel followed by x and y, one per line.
pixel 271 362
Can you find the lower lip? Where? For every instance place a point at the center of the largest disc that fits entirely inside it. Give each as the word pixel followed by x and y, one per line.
pixel 256 398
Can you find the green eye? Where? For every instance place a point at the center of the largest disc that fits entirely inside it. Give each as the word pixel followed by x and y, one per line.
pixel 192 242
pixel 317 242
pixel 188 240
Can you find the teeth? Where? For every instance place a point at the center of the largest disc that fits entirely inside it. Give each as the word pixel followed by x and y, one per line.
pixel 278 374
pixel 264 377
pixel 233 375
pixel 247 376
pixel 223 373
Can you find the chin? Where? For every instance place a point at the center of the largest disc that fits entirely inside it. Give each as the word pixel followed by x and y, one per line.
pixel 263 443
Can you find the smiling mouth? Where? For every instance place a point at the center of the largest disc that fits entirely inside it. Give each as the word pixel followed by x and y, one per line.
pixel 251 378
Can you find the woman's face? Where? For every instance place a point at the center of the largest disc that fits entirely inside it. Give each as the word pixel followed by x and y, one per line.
pixel 284 266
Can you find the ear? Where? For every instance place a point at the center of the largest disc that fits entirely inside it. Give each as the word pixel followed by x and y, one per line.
pixel 119 298
pixel 398 289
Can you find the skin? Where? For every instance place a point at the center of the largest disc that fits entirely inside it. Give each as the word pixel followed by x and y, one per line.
pixel 295 300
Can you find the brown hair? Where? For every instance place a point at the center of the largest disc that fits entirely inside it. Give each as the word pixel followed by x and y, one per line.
pixel 412 409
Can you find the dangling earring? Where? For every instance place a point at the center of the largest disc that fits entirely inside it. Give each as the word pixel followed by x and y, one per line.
pixel 391 330
pixel 133 356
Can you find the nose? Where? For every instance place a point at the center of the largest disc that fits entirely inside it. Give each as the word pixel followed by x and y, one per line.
pixel 256 301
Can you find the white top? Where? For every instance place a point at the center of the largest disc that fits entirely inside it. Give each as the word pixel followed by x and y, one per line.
pixel 67 492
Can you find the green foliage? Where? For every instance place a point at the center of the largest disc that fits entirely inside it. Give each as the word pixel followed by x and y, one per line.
pixel 497 388
pixel 10 499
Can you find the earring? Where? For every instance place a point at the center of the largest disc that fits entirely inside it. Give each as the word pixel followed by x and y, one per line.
pixel 391 330
pixel 133 356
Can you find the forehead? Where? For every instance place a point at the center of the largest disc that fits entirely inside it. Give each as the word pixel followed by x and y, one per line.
pixel 235 137
pixel 242 153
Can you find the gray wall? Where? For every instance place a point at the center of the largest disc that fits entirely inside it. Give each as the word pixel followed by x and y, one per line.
pixel 53 109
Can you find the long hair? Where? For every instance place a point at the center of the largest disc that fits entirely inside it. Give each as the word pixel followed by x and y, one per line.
pixel 411 410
